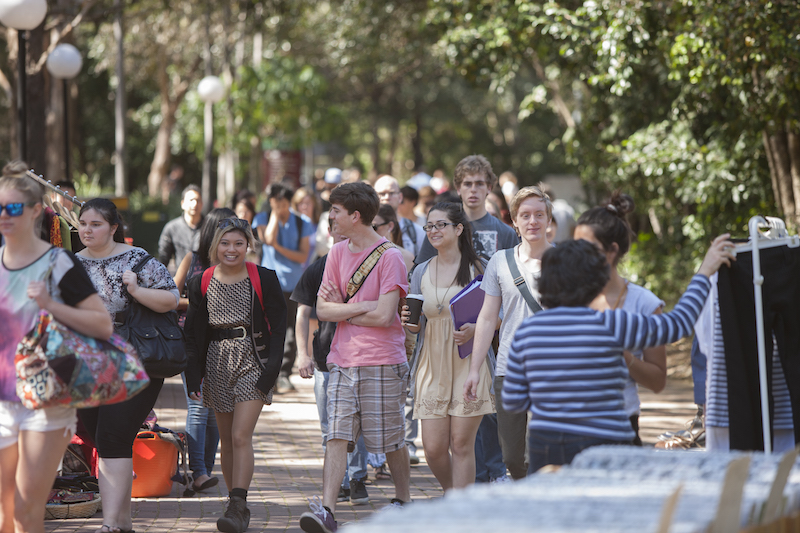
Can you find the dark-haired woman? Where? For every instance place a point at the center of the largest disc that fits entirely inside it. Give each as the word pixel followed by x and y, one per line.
pixel 201 424
pixel 235 348
pixel 109 261
pixel 449 422
pixel 34 276
pixel 566 365
pixel 385 224
pixel 607 228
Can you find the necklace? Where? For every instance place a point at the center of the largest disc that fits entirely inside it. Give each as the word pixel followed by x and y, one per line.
pixel 440 304
pixel 621 296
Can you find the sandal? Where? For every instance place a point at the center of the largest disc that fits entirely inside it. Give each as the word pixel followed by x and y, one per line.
pixel 381 472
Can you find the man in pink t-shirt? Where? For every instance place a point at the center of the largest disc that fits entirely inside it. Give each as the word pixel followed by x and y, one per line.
pixel 368 367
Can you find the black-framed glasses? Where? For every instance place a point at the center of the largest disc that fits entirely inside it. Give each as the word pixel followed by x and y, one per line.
pixel 376 226
pixel 438 225
pixel 15 209
pixel 237 223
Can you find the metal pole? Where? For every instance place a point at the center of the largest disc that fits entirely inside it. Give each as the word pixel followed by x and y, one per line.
pixel 22 108
pixel 208 135
pixel 120 105
pixel 66 130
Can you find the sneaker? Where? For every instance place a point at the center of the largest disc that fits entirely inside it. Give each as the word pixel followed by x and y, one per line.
pixel 412 458
pixel 283 385
pixel 344 495
pixel 236 518
pixel 358 492
pixel 396 503
pixel 502 480
pixel 319 519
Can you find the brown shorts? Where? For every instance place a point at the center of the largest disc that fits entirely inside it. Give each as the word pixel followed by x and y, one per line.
pixel 369 400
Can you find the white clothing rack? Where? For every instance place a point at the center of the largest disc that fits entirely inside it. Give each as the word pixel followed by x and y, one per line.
pixel 774 234
pixel 56 188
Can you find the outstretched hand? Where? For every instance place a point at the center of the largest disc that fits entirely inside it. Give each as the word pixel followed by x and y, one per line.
pixel 721 252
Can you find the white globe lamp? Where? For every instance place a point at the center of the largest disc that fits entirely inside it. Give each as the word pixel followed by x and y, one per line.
pixel 22 14
pixel 64 62
pixel 211 89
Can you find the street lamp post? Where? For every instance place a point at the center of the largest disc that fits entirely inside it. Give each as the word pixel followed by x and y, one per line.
pixel 65 63
pixel 22 15
pixel 211 90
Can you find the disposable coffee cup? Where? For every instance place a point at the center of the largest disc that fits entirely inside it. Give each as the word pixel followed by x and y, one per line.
pixel 414 303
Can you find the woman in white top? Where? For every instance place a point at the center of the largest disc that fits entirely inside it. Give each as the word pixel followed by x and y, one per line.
pixel 32 442
pixel 531 213
pixel 606 227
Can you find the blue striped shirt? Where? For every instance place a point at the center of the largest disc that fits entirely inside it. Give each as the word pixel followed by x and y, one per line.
pixel 566 364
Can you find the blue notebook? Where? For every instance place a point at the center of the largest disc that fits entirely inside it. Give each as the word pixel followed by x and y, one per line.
pixel 465 307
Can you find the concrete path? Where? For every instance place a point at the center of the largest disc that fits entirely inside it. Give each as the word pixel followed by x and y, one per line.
pixel 289 466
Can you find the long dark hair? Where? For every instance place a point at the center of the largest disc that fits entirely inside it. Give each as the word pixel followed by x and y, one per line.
pixel 469 257
pixel 109 212
pixel 386 212
pixel 609 223
pixel 207 231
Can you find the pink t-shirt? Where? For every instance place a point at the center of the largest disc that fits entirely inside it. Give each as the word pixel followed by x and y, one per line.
pixel 364 345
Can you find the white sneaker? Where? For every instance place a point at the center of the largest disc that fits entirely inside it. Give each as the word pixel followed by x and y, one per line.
pixel 502 480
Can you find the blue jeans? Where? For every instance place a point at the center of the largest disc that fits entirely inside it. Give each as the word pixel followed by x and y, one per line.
pixel 202 434
pixel 489 463
pixel 356 461
pixel 699 373
pixel 558 448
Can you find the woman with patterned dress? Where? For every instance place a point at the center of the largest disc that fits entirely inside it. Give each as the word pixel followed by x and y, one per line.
pixel 201 424
pixel 34 276
pixel 449 422
pixel 235 347
pixel 109 262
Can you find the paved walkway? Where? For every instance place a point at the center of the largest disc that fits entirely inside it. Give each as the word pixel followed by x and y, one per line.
pixel 288 468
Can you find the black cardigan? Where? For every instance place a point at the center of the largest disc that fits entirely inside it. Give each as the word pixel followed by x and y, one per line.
pixel 267 342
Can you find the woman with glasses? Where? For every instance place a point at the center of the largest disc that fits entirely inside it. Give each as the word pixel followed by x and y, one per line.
pixel 449 422
pixel 385 224
pixel 34 276
pixel 234 342
pixel 109 262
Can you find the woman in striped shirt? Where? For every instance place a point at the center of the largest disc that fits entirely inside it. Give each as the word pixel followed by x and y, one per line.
pixel 566 364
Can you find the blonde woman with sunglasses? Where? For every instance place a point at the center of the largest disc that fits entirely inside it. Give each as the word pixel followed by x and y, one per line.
pixel 34 276
pixel 234 340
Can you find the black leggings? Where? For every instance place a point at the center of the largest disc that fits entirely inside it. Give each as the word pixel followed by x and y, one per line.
pixel 780 267
pixel 114 427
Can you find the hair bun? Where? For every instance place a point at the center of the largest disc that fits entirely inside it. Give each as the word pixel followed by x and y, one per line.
pixel 15 169
pixel 620 204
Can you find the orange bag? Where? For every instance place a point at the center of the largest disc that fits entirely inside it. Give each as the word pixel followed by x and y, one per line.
pixel 155 461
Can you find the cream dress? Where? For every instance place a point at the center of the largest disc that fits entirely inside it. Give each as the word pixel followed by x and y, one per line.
pixel 441 373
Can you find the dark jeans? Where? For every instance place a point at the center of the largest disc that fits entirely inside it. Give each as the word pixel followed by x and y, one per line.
pixel 488 455
pixel 512 429
pixel 558 448
pixel 114 427
pixel 290 344
pixel 781 294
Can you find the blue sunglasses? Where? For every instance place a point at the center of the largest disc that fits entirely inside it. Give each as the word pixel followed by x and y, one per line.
pixel 15 209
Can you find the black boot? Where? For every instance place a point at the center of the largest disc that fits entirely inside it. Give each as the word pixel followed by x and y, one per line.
pixel 236 518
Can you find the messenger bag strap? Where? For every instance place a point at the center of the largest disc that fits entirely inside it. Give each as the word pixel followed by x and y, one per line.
pixel 519 281
pixel 361 273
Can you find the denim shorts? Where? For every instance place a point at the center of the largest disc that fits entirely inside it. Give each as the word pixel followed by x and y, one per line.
pixel 558 448
pixel 15 417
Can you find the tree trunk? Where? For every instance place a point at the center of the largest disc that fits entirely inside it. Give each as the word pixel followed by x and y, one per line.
pixel 37 98
pixel 776 145
pixel 416 139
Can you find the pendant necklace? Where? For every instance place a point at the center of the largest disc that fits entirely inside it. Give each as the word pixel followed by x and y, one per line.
pixel 621 296
pixel 440 304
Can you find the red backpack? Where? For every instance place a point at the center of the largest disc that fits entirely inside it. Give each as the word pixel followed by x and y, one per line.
pixel 255 281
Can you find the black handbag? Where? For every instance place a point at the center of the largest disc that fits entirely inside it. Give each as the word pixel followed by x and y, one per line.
pixel 157 337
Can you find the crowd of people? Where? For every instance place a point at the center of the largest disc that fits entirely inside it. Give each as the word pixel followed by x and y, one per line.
pixel 315 282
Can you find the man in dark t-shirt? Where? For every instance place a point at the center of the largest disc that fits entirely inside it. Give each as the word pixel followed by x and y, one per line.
pixel 305 294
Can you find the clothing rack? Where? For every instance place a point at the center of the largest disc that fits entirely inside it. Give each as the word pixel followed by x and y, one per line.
pixel 774 234
pixel 49 184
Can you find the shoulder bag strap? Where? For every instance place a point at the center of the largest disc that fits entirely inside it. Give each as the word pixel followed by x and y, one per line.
pixel 140 265
pixel 361 273
pixel 519 281
pixel 255 281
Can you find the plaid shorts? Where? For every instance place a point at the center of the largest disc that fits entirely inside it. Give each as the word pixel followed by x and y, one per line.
pixel 369 400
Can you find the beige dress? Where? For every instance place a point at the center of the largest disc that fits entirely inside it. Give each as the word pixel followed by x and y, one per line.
pixel 441 373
